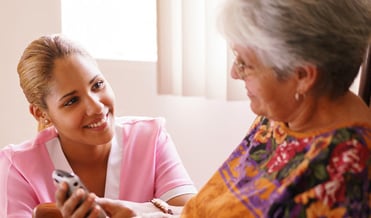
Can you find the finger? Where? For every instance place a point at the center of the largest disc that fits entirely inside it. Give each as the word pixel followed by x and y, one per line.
pixel 95 212
pixel 72 203
pixel 86 207
pixel 97 208
pixel 107 205
pixel 61 194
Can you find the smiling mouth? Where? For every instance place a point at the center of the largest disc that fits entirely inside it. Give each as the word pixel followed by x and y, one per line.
pixel 97 124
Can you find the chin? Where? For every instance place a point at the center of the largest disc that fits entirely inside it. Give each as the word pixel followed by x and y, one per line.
pixel 255 109
pixel 104 139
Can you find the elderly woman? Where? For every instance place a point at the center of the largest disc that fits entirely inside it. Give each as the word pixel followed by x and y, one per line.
pixel 308 152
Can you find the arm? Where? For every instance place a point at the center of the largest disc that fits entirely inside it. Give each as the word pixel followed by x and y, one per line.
pixel 150 153
pixel 114 208
pixel 123 209
pixel 14 187
pixel 180 200
pixel 170 172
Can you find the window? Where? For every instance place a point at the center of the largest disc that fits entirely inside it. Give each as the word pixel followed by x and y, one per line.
pixel 193 59
pixel 113 29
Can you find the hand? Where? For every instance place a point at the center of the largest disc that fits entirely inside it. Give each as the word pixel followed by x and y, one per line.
pixel 125 209
pixel 80 204
pixel 116 208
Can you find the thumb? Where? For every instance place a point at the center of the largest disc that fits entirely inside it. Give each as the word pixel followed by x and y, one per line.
pixel 107 204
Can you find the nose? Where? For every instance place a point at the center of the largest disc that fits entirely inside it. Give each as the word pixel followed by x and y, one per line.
pixel 94 105
pixel 234 73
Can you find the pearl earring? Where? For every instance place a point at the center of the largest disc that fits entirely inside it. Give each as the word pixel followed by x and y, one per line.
pixel 297 96
pixel 46 122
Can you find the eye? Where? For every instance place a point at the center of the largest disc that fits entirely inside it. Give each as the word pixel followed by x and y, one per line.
pixel 241 64
pixel 249 67
pixel 98 85
pixel 71 101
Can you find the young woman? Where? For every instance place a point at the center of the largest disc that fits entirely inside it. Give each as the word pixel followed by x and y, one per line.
pixel 128 158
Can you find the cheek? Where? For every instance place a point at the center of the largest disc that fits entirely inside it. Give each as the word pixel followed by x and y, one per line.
pixel 260 89
pixel 265 93
pixel 67 119
pixel 275 97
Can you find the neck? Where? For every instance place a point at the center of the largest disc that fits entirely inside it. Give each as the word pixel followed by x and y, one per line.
pixel 86 155
pixel 321 112
pixel 89 162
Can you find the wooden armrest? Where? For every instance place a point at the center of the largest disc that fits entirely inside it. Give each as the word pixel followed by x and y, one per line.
pixel 46 210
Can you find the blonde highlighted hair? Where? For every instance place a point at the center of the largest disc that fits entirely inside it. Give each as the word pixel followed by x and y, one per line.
pixel 35 67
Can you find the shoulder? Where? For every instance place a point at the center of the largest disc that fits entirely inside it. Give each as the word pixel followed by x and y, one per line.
pixel 139 121
pixel 354 138
pixel 28 148
pixel 19 161
pixel 354 133
pixel 139 129
pixel 141 136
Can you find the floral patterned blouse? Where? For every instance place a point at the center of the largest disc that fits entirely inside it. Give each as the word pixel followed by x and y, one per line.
pixel 276 172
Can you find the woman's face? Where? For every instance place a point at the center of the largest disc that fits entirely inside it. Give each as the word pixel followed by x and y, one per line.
pixel 81 102
pixel 269 96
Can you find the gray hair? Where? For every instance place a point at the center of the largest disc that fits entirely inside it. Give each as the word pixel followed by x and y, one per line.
pixel 286 34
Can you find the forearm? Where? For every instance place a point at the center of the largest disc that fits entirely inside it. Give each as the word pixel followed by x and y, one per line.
pixel 148 208
pixel 119 209
pixel 180 200
pixel 157 215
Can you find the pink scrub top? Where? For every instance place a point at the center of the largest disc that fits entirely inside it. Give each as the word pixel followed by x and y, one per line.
pixel 143 164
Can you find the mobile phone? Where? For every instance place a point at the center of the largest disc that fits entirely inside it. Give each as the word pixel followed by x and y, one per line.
pixel 74 183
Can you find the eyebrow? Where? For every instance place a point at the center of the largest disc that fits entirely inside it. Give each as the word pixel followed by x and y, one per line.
pixel 74 91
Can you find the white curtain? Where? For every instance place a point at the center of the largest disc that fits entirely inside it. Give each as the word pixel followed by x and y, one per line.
pixel 193 59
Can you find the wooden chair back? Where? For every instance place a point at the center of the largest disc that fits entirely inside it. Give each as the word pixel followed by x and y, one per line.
pixel 364 90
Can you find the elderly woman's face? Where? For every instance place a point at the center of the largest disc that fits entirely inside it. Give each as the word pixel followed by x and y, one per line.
pixel 81 102
pixel 269 96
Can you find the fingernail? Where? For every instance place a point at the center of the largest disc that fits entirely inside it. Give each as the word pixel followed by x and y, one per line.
pixel 80 192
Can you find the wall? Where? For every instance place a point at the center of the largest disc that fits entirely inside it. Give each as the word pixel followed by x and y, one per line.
pixel 20 22
pixel 205 131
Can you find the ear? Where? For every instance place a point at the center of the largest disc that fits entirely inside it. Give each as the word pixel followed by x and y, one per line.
pixel 37 113
pixel 41 117
pixel 306 77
